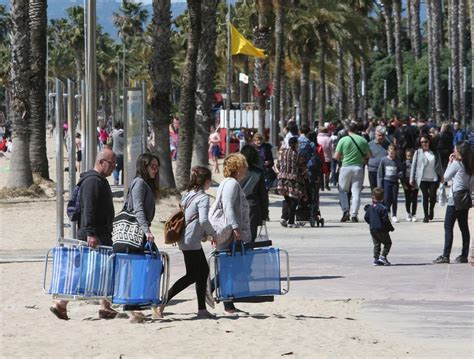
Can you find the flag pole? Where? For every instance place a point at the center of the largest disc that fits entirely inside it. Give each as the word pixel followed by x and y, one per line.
pixel 228 83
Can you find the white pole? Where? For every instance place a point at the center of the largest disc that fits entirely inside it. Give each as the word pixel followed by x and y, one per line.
pixel 229 79
pixel 59 160
pixel 72 144
pixel 91 84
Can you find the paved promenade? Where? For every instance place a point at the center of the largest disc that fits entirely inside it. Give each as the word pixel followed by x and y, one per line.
pixel 412 299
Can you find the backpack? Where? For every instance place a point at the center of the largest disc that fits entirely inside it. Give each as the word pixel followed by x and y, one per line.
pixel 74 204
pixel 176 223
pixel 315 165
pixel 305 149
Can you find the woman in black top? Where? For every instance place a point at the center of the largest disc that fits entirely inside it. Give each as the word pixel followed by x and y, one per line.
pixel 254 188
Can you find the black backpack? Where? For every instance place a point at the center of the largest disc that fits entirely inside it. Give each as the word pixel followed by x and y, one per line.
pixel 74 204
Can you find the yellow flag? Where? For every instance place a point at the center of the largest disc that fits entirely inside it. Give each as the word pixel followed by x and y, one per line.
pixel 241 46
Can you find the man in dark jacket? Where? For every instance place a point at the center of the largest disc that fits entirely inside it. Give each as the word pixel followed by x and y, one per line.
pixel 95 224
pixel 97 208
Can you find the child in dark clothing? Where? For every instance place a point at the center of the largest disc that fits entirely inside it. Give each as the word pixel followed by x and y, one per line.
pixel 388 175
pixel 376 215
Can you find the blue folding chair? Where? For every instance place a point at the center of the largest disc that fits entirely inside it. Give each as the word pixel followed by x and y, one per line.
pixel 78 271
pixel 139 279
pixel 247 274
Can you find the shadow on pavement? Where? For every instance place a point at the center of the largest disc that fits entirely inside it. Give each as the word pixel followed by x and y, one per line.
pixel 301 278
pixel 411 264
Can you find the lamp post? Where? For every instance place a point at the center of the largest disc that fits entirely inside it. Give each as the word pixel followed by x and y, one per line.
pixel 91 84
pixel 385 99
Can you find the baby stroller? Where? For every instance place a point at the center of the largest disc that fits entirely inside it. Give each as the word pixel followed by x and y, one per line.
pixel 308 207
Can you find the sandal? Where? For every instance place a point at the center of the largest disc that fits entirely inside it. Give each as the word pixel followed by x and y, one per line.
pixel 59 314
pixel 107 314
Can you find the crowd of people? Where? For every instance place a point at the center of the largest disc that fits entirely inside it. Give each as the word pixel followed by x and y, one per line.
pixel 308 162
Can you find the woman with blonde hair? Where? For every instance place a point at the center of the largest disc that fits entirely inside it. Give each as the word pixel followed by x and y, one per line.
pixel 235 205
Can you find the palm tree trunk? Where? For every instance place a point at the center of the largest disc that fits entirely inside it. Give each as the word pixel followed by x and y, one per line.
pixel 471 18
pixel 285 100
pixel 341 86
pixel 262 36
pixel 387 13
pixel 304 86
pixel 296 92
pixel 20 171
pixel 462 56
pixel 397 15
pixel 435 11
pixel 38 27
pixel 322 79
pixel 454 24
pixel 280 12
pixel 415 28
pixel 205 81
pixel 363 77
pixel 352 88
pixel 187 104
pixel 161 67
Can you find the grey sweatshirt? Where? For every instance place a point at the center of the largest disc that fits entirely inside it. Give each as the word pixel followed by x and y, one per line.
pixel 461 180
pixel 236 208
pixel 196 215
pixel 141 201
pixel 378 152
pixel 389 170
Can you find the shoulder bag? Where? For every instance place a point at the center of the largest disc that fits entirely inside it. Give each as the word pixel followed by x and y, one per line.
pixel 362 153
pixel 126 229
pixel 462 199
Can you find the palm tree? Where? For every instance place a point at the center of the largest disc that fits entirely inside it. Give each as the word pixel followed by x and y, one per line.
pixel 74 35
pixel 302 41
pixel 188 96
pixel 161 69
pixel 387 14
pixel 455 60
pixel 415 30
pixel 434 16
pixel 280 7
pixel 262 36
pixel 206 72
pixel 38 29
pixel 397 15
pixel 462 32
pixel 341 84
pixel 471 18
pixel 4 46
pixel 20 171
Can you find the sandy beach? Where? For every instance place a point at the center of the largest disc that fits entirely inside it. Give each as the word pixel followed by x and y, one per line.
pixel 328 313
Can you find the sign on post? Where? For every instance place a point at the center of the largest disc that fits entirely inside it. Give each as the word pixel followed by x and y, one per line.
pixel 133 145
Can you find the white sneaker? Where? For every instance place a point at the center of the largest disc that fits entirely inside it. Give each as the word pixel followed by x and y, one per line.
pixel 408 217
pixel 413 218
pixel 394 219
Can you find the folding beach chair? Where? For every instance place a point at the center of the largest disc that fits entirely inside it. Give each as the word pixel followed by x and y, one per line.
pixel 139 279
pixel 248 275
pixel 78 271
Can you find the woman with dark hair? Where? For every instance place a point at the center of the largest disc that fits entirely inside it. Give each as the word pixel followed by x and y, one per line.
pixel 426 173
pixel 142 194
pixel 198 228
pixel 254 188
pixel 460 170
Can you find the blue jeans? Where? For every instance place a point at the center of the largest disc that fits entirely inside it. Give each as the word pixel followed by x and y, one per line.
pixel 390 196
pixel 449 220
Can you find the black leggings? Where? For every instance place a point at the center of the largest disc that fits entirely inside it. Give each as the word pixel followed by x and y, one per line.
pixel 197 271
pixel 411 200
pixel 428 190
